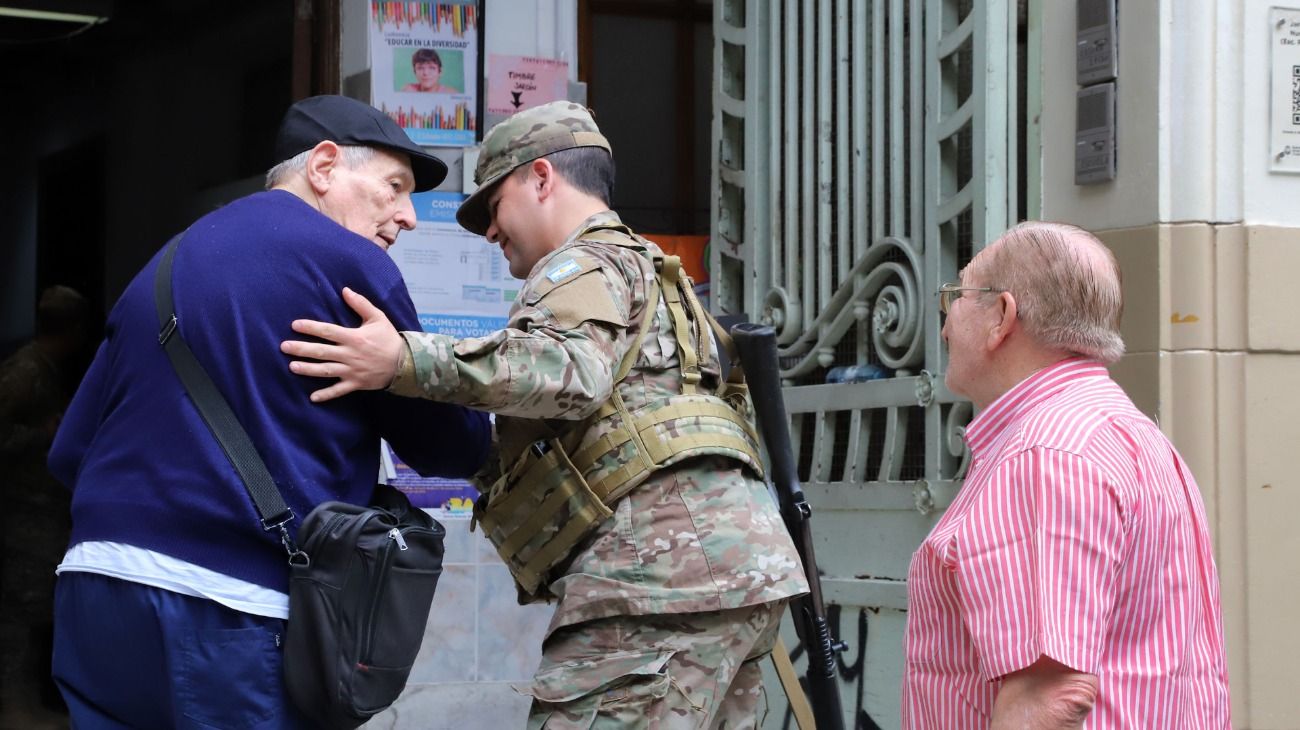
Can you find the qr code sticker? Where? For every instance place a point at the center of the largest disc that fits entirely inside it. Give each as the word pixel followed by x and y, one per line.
pixel 1295 94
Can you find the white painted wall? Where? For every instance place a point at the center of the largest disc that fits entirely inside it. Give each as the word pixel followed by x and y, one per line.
pixel 1268 197
pixel 543 28
pixel 1132 198
pixel 1192 118
pixel 1200 110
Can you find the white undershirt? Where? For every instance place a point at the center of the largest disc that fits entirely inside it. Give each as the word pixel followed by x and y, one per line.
pixel 138 565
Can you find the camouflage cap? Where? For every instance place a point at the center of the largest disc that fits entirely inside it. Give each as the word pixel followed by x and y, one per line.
pixel 524 137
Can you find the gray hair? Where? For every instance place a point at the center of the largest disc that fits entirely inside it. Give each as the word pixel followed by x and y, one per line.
pixel 352 156
pixel 1066 283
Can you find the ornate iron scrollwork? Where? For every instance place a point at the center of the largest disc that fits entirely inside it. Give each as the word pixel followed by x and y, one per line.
pixel 783 313
pixel 880 277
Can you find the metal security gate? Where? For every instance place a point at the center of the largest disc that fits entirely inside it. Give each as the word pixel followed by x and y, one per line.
pixel 865 149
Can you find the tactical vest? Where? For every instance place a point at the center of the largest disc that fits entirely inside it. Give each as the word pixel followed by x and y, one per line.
pixel 555 491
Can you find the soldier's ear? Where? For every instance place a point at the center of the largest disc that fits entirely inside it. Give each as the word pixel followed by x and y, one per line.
pixel 542 180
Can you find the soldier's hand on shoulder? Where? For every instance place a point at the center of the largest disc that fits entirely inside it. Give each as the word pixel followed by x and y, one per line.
pixel 362 358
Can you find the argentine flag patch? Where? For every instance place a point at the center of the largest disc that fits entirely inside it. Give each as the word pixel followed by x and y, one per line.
pixel 563 271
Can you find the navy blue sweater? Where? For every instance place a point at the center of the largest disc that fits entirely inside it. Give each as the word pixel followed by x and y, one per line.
pixel 143 466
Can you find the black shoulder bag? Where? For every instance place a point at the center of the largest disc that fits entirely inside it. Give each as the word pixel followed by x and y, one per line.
pixel 360 584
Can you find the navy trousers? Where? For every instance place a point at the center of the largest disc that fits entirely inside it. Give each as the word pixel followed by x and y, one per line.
pixel 128 655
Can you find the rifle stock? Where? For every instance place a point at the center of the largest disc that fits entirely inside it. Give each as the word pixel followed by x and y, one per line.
pixel 756 347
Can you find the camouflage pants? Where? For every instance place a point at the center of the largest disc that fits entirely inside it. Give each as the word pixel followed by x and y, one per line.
pixel 693 670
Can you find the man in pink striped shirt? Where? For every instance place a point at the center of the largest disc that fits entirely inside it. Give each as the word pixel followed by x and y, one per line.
pixel 1071 584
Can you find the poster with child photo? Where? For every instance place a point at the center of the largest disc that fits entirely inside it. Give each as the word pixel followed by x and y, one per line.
pixel 424 68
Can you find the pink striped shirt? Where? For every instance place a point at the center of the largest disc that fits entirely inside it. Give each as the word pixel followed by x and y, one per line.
pixel 1080 535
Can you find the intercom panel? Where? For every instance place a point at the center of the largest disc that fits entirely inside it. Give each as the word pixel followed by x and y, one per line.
pixel 1094 134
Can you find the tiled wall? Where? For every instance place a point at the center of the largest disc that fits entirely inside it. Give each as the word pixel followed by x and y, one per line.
pixel 478 646
pixel 1213 334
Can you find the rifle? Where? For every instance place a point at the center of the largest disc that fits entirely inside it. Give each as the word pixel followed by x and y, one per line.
pixel 756 347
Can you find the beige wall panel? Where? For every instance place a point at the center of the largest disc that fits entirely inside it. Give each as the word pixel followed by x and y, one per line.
pixel 1272 487
pixel 1138 251
pixel 1185 285
pixel 1272 260
pixel 1230 287
pixel 1139 375
pixel 1230 542
pixel 1191 286
pixel 1188 416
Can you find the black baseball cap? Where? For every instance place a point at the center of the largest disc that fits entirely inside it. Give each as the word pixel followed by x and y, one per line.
pixel 348 121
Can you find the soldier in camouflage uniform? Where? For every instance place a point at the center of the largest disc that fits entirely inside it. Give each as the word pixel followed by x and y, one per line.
pixel 670 598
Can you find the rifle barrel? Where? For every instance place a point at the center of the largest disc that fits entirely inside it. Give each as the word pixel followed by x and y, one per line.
pixel 756 345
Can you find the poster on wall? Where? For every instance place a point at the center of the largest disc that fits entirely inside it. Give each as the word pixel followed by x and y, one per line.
pixel 450 498
pixel 460 283
pixel 461 286
pixel 516 83
pixel 424 68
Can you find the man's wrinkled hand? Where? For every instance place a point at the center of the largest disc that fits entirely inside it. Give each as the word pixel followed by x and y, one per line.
pixel 362 358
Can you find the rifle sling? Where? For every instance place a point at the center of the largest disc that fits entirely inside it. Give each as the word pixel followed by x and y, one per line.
pixel 803 716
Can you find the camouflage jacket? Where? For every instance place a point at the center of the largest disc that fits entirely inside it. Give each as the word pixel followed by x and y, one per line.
pixel 702 535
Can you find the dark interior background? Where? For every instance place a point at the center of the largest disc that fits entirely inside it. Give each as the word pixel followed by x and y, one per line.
pixel 119 134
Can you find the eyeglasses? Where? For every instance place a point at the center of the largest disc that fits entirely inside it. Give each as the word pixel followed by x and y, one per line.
pixel 950 292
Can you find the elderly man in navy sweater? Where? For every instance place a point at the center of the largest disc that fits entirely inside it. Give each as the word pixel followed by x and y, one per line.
pixel 171 599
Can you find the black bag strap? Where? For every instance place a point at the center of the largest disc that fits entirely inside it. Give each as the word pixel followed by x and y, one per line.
pixel 214 408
